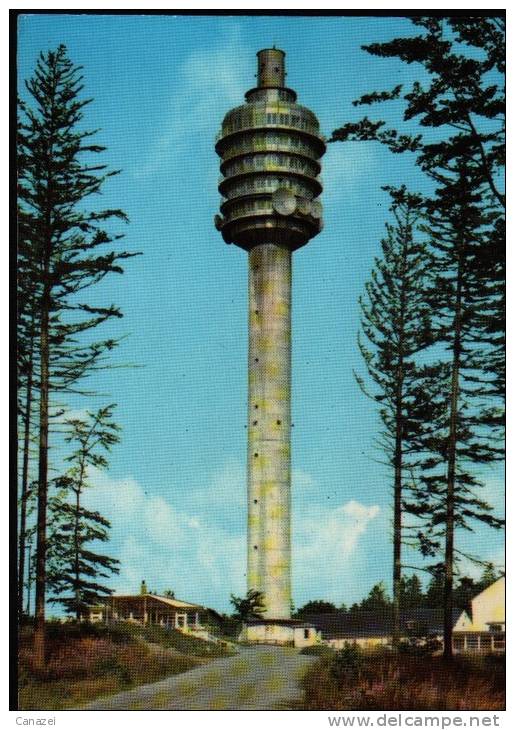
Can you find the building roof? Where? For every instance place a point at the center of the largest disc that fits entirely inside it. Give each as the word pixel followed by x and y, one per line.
pixel 173 602
pixel 369 624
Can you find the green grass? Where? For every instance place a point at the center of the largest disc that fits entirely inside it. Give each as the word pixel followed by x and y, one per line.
pixel 170 638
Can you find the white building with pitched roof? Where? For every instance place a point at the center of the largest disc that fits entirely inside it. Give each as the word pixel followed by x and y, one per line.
pixel 482 628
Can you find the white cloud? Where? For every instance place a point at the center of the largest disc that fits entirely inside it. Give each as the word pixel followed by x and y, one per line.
pixel 302 483
pixel 157 539
pixel 208 84
pixel 227 483
pixel 117 499
pixel 194 552
pixel 326 549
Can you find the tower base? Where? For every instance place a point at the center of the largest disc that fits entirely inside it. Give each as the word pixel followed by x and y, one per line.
pixel 280 632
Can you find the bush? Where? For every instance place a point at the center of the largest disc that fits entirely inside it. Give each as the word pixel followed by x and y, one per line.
pixel 354 680
pixel 126 633
pixel 112 667
pixel 118 633
pixel 317 650
pixel 420 648
pixel 84 662
pixel 346 664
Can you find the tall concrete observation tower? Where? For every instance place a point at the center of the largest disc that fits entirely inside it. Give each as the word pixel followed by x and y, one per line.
pixel 270 149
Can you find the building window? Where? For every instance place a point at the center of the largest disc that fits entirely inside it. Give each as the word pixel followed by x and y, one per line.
pixel 306 633
pixel 495 628
pixel 458 643
pixel 472 641
pixel 499 642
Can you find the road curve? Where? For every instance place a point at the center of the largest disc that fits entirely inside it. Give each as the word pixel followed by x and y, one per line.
pixel 258 678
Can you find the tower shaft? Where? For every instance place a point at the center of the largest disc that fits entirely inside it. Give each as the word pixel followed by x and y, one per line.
pixel 269 482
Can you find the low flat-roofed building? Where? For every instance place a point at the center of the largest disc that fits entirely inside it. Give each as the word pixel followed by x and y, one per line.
pixel 284 632
pixel 371 629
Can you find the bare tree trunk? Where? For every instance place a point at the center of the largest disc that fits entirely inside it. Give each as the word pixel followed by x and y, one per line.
pixel 29 580
pixel 25 473
pixel 76 556
pixel 39 631
pixel 451 469
pixel 44 387
pixel 397 488
pixel 397 528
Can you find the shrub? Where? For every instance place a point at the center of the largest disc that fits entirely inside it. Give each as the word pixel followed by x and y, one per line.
pixel 317 650
pixel 420 648
pixel 386 681
pixel 83 663
pixel 346 664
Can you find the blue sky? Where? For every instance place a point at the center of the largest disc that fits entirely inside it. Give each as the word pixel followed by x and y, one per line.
pixel 175 489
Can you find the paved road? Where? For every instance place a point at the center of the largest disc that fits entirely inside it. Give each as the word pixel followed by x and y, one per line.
pixel 258 678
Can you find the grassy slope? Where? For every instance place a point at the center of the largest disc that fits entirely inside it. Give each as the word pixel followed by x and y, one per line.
pixel 88 661
pixel 380 681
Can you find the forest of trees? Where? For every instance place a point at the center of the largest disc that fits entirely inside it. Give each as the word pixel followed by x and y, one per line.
pixel 65 247
pixel 411 595
pixel 432 330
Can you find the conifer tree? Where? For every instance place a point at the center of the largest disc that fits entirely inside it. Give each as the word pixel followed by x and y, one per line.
pixel 410 592
pixel 377 600
pixel 464 96
pixel 396 321
pixel 69 249
pixel 461 95
pixel 468 432
pixel 27 329
pixel 74 569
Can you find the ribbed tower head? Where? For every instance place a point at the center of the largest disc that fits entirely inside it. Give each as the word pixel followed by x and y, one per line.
pixel 270 149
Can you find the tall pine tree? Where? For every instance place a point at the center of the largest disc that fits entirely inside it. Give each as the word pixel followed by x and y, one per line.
pixel 468 432
pixel 396 322
pixel 68 251
pixel 461 95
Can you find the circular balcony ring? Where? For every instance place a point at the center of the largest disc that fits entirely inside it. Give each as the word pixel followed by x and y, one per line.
pixel 317 139
pixel 256 153
pixel 317 185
